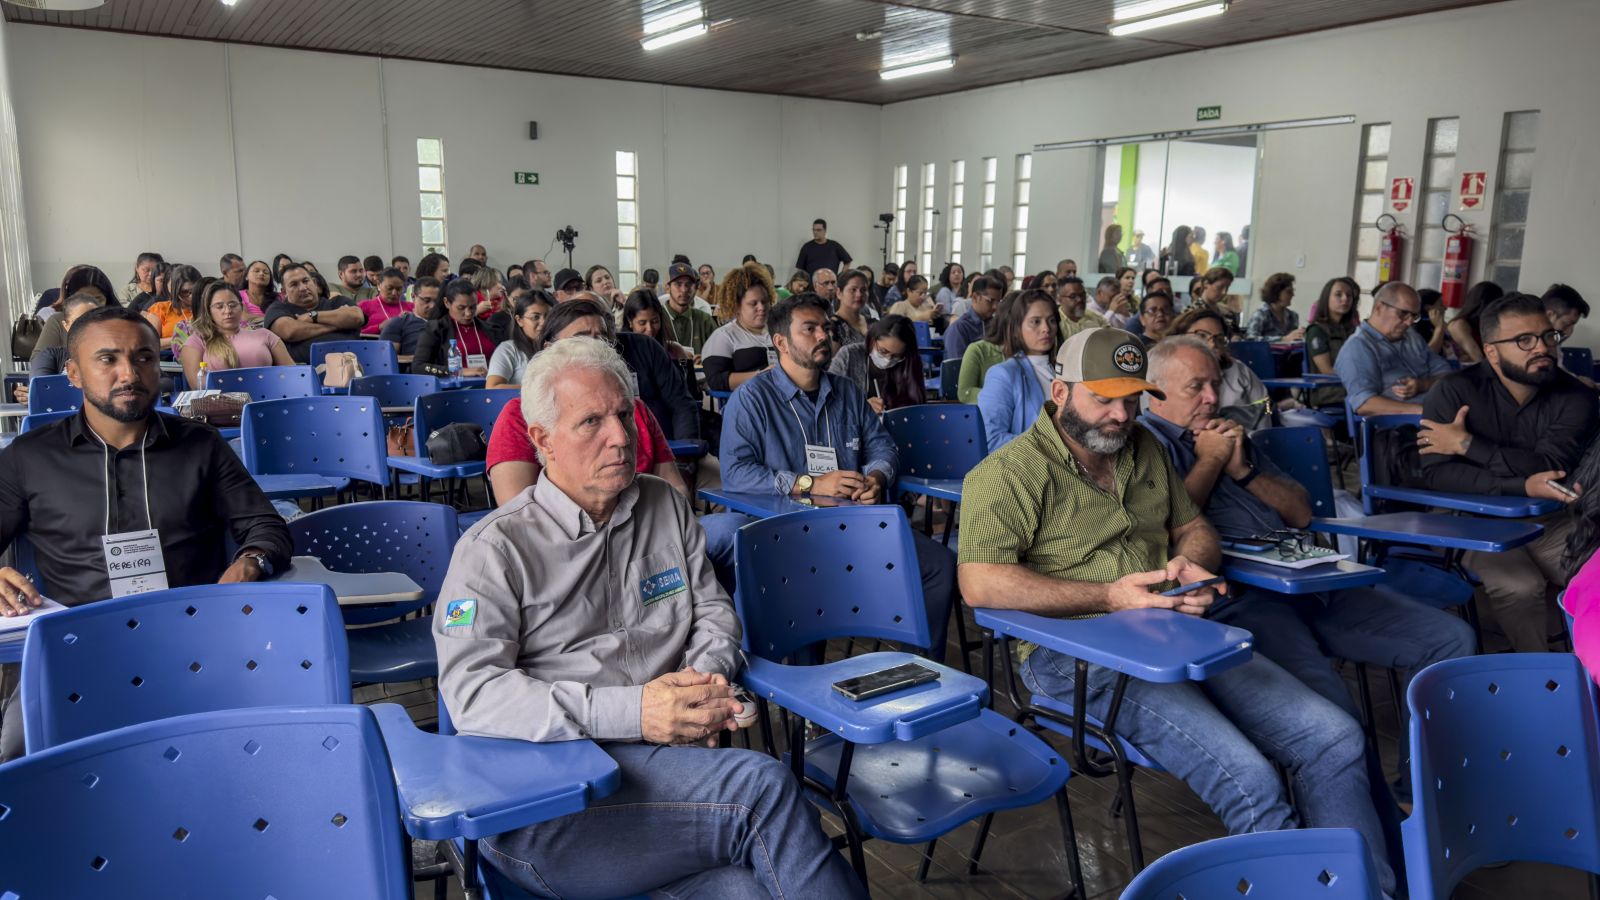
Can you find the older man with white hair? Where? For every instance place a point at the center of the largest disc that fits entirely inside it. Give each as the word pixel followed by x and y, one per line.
pixel 586 609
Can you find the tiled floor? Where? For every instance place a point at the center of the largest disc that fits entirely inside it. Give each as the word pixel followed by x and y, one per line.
pixel 1024 857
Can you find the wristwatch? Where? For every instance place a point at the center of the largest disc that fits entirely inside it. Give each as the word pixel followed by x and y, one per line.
pixel 261 561
pixel 804 483
pixel 1245 481
pixel 314 314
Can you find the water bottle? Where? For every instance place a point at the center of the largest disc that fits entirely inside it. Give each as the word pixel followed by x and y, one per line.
pixel 455 360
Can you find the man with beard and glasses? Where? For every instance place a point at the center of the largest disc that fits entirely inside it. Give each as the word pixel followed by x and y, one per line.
pixel 797 429
pixel 80 491
pixel 1074 519
pixel 1512 427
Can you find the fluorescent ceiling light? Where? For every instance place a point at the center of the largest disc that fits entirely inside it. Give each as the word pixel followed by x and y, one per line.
pixel 668 38
pixel 673 17
pixel 1202 11
pixel 919 68
pixel 1188 133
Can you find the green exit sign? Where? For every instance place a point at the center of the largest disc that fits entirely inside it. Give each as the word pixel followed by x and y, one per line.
pixel 527 178
pixel 1207 113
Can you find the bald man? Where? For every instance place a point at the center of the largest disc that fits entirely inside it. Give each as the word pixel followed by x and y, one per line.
pixel 1386 365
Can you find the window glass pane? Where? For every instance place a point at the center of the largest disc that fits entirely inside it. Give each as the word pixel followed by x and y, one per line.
pixel 1432 246
pixel 989 168
pixel 927 243
pixel 428 178
pixel 1507 276
pixel 624 162
pixel 1435 205
pixel 1367 274
pixel 1022 218
pixel 624 188
pixel 988 218
pixel 1019 241
pixel 1024 190
pixel 432 206
pixel 1508 244
pixel 1019 265
pixel 1371 208
pixel 627 212
pixel 988 194
pixel 956 215
pixel 959 170
pixel 627 236
pixel 987 244
pixel 1442 174
pixel 432 231
pixel 900 177
pixel 429 152
pixel 1518 171
pixel 1446 132
pixel 1026 166
pixel 1428 274
pixel 1513 206
pixel 1367 242
pixel 1522 130
pixel 955 242
pixel 628 260
pixel 1378 140
pixel 959 196
pixel 1376 176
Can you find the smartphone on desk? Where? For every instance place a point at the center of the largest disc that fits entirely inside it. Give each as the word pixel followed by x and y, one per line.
pixel 875 684
pixel 1182 589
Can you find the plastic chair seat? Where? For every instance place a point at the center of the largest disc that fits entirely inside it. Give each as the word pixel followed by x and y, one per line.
pixel 393 651
pixel 1329 863
pixel 922 789
pixel 419 466
pixel 1047 702
pixel 1302 417
pixel 293 487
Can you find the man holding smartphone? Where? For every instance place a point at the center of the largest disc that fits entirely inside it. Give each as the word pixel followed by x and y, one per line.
pixel 1513 426
pixel 1075 518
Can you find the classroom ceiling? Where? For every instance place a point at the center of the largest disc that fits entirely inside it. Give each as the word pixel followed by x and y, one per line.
pixel 831 49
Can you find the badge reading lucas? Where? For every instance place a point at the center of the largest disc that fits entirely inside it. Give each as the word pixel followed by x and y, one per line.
pixel 460 613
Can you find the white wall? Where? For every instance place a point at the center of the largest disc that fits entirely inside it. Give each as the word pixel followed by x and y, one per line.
pixel 196 149
pixel 1478 63
pixel 16 290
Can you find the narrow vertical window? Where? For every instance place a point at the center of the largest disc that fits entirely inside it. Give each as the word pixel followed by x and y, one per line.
pixel 986 234
pixel 627 220
pixel 899 213
pixel 1438 186
pixel 1019 227
pixel 1513 191
pixel 430 195
pixel 958 206
pixel 1372 192
pixel 925 248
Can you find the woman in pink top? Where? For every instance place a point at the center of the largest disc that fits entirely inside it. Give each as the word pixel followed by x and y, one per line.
pixel 1582 561
pixel 389 304
pixel 220 342
pixel 260 291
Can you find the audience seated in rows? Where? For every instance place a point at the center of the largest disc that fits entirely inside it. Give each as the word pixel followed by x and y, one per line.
pixel 982 355
pixel 1386 366
pixel 1241 397
pixel 852 318
pixel 886 366
pixel 953 289
pixel 1015 389
pixel 686 323
pixel 1075 518
pixel 303 317
pixel 968 325
pixel 405 329
pixel 1274 320
pixel 390 303
pixel 221 340
pixel 1110 303
pixel 1334 319
pixel 352 281
pixel 643 315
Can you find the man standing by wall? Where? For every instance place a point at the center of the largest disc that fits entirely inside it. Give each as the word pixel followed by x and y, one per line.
pixel 820 252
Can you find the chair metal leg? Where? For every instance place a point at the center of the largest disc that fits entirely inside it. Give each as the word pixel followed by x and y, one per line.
pixel 978 842
pixel 1130 817
pixel 927 860
pixel 1070 835
pixel 961 636
pixel 1368 724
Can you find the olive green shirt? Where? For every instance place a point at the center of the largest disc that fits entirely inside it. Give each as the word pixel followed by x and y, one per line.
pixel 1031 503
pixel 1091 319
pixel 981 356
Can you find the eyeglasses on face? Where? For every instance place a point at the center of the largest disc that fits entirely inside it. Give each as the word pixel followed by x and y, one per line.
pixel 1406 315
pixel 1551 338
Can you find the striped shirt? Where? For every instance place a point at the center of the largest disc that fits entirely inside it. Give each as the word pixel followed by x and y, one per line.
pixel 1031 503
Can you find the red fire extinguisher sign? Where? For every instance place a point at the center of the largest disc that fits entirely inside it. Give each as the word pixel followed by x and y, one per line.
pixel 1472 186
pixel 1400 192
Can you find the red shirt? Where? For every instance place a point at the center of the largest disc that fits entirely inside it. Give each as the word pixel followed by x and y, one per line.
pixel 379 312
pixel 508 442
pixel 471 340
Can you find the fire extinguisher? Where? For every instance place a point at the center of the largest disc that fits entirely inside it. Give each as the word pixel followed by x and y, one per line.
pixel 1390 248
pixel 1457 262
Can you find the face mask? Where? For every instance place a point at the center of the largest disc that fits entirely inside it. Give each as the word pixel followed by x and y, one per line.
pixel 883 361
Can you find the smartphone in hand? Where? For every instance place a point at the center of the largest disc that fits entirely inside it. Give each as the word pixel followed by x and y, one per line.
pixel 1182 589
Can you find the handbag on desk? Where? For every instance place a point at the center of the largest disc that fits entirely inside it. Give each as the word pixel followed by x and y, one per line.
pixel 218 410
pixel 339 369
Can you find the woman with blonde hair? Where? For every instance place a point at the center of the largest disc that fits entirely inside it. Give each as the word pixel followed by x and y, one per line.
pixel 220 340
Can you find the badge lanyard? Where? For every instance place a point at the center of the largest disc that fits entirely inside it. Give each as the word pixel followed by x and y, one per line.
pixel 461 341
pixel 134 561
pixel 820 458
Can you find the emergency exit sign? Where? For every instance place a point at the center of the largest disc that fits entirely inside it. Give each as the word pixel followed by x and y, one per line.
pixel 1207 113
pixel 527 178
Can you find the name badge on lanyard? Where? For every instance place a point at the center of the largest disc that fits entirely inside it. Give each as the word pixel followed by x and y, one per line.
pixel 134 564
pixel 772 358
pixel 477 361
pixel 821 460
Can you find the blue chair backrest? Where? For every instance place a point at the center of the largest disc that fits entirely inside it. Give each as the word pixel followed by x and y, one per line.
pixel 1578 360
pixel 949 379
pixel 39 420
pixel 817 574
pixel 1328 863
pixel 395 390
pixel 937 440
pixel 480 407
pixel 1505 764
pixel 1300 452
pixel 376 357
pixel 266 382
pixel 280 802
pixel 52 393
pixel 1366 427
pixel 382 536
pixel 335 437
pixel 1257 355
pixel 105 665
pixel 924 333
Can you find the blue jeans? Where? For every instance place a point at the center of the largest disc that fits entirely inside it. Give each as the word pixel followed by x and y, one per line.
pixel 687 822
pixel 1221 736
pixel 936 562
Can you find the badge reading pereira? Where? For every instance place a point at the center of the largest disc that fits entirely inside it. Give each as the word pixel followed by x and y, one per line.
pixel 662 585
pixel 460 612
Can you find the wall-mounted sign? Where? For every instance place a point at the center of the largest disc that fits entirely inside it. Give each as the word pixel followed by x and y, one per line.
pixel 1207 113
pixel 527 178
pixel 1400 192
pixel 1472 186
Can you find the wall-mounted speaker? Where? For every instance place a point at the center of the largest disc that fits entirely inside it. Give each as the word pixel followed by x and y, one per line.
pixel 533 131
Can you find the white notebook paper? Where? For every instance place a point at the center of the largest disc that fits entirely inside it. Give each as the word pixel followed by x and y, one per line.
pixel 15 628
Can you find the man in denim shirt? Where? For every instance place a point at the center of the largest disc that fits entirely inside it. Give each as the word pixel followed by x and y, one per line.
pixel 1386 365
pixel 797 430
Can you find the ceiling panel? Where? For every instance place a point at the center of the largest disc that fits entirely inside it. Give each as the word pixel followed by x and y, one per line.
pixel 808 48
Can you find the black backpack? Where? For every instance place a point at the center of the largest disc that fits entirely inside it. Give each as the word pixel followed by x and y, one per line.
pixel 457 442
pixel 1395 459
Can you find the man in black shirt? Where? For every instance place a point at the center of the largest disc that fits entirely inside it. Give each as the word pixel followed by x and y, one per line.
pixel 302 318
pixel 1514 425
pixel 79 489
pixel 821 253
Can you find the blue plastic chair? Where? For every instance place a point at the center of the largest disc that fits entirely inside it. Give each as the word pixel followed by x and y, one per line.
pixel 1578 361
pixel 1327 863
pixel 39 420
pixel 479 407
pixel 949 379
pixel 385 536
pixel 937 444
pixel 104 665
pixel 266 382
pixel 1505 765
pixel 332 439
pixel 292 801
pixel 395 390
pixel 375 357
pixel 1302 455
pixel 1257 355
pixel 52 393
pixel 809 576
